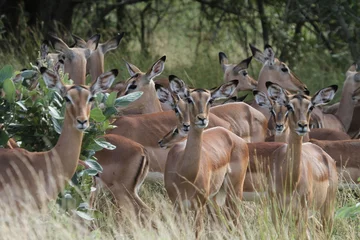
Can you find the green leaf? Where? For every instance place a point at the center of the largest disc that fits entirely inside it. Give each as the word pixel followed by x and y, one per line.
pixel 90 172
pixel 111 99
pixel 101 142
pixel 97 115
pixel 109 111
pixel 94 165
pixel 6 73
pixel 127 99
pixel 10 90
pixel 4 138
pixel 84 215
pixel 22 105
pixel 55 113
pixel 57 125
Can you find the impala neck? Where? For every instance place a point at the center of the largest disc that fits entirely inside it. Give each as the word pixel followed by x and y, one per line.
pixel 68 148
pixel 190 165
pixel 147 103
pixel 346 107
pixel 293 158
pixel 95 65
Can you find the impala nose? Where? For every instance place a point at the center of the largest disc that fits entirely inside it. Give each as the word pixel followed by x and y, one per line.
pixel 279 127
pixel 81 122
pixel 186 127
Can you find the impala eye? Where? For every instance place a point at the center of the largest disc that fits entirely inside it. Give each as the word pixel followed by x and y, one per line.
pixel 91 99
pixel 245 73
pixel 311 108
pixel 211 101
pixel 67 99
pixel 189 100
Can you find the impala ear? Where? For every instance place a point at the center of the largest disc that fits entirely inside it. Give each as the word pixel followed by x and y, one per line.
pixel 60 46
pixel 262 100
pixel 242 65
pixel 324 96
pixel 103 82
pixel 223 60
pixel 356 95
pixel 225 90
pixel 164 95
pixel 132 69
pixel 269 55
pixel 79 42
pixel 351 69
pixel 257 54
pixel 112 43
pixel 92 42
pixel 52 80
pixel 357 77
pixel 277 93
pixel 178 87
pixel 157 68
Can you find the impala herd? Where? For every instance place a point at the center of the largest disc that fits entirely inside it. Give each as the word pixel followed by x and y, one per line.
pixel 203 151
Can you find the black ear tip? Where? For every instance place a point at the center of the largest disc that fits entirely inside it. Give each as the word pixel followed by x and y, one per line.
pixel 163 58
pixel 120 36
pixel 268 84
pixel 235 81
pixel 115 72
pixel 158 86
pixel 267 46
pixel 334 87
pixel 221 56
pixel 43 69
pixel 172 77
pixel 307 91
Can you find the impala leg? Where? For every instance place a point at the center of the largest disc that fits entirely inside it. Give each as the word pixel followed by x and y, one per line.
pixel 199 221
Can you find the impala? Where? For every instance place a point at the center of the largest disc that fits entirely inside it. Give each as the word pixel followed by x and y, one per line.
pixel 39 176
pixel 280 118
pixel 343 152
pixel 211 164
pixel 303 176
pixel 124 171
pixel 75 59
pixel 275 71
pixel 244 120
pixel 344 115
pixel 95 63
pixel 238 72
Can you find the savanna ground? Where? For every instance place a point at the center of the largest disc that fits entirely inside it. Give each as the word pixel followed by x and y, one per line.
pixel 192 49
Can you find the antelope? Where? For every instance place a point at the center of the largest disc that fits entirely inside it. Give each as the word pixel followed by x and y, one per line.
pixel 75 59
pixel 95 63
pixel 238 72
pixel 280 118
pixel 210 163
pixel 341 120
pixel 41 175
pixel 303 176
pixel 351 82
pixel 124 171
pixel 275 71
pixel 245 121
pixel 337 144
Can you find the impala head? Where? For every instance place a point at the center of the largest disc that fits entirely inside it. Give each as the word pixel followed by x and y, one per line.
pixel 200 100
pixel 75 59
pixel 78 98
pixel 172 137
pixel 277 71
pixel 300 106
pixel 95 62
pixel 352 80
pixel 179 106
pixel 140 81
pixel 278 111
pixel 238 72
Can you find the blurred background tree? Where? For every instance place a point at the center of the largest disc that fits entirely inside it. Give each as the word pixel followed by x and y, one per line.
pixel 302 32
